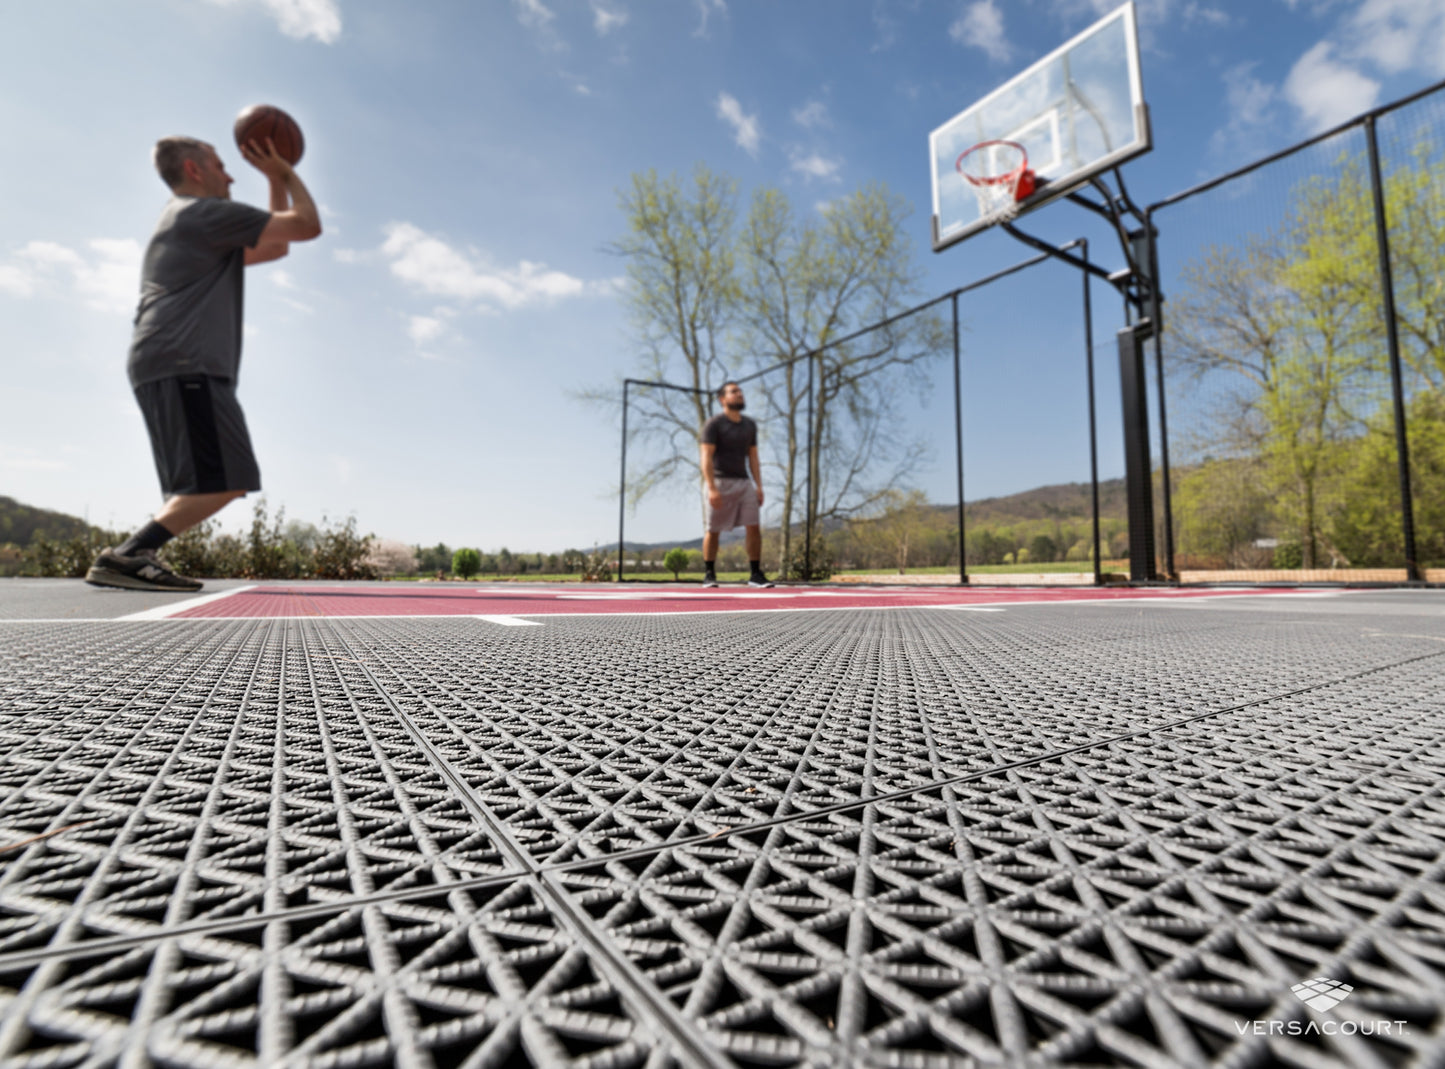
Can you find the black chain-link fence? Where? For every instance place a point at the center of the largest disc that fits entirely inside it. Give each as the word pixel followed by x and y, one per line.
pixel 1303 355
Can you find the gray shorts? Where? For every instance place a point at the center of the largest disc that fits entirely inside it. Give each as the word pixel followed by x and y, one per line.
pixel 198 435
pixel 739 506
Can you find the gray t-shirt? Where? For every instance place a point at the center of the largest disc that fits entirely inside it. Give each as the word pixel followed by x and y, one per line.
pixel 192 290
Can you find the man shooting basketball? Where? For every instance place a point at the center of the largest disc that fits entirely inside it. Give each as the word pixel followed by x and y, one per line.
pixel 186 349
pixel 729 448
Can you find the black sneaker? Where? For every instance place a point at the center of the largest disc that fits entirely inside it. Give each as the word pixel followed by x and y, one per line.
pixel 759 579
pixel 143 571
pixel 709 579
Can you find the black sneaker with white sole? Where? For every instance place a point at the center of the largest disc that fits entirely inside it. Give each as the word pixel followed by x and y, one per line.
pixel 759 579
pixel 709 580
pixel 142 571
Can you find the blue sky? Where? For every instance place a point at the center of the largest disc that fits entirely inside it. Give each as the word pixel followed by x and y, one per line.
pixel 417 366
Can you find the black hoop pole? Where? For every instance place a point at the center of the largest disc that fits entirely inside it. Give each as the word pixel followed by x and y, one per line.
pixel 958 442
pixel 622 484
pixel 1156 318
pixel 808 505
pixel 1392 339
pixel 1093 427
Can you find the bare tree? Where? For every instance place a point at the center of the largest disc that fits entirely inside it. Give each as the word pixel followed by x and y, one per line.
pixel 712 299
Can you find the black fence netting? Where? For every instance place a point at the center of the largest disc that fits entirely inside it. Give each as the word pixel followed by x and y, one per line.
pixel 1288 394
pixel 1412 158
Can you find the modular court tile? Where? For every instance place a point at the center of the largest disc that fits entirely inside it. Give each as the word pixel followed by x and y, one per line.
pixel 1071 834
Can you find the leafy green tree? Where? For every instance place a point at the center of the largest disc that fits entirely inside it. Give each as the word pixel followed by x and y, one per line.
pixel 898 523
pixel 437 558
pixel 1285 325
pixel 1043 549
pixel 1368 527
pixel 675 561
pixel 466 563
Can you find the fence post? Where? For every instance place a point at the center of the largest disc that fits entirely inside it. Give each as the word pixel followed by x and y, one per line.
pixel 1093 428
pixel 622 484
pixel 1392 341
pixel 958 441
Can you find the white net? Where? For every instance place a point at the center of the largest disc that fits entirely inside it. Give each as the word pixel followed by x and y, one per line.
pixel 994 171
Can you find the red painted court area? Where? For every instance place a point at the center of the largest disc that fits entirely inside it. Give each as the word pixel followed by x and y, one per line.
pixel 282 602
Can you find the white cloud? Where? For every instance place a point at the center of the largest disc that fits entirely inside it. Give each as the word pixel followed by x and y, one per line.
pixel 423 329
pixel 431 266
pixel 533 14
pixel 16 281
pixel 1212 16
pixel 1254 108
pixel 606 19
pixel 981 26
pixel 537 17
pixel 746 131
pixel 1326 91
pixel 815 166
pixel 106 276
pixel 301 19
pixel 705 8
pixel 1400 35
pixel 812 115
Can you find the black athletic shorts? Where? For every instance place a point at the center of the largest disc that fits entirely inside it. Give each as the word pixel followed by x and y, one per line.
pixel 198 435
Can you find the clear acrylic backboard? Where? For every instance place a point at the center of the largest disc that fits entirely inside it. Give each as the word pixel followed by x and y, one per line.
pixel 1077 112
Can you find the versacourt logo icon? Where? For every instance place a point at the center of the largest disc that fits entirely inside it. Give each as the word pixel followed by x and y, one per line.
pixel 1321 993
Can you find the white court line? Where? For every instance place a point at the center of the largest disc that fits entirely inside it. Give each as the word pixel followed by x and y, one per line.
pixel 505 621
pixel 165 612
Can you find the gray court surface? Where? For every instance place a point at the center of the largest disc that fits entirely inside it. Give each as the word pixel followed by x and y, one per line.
pixel 1051 835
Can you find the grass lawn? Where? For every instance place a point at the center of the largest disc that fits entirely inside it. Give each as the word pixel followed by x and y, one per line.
pixel 1050 568
pixel 1045 568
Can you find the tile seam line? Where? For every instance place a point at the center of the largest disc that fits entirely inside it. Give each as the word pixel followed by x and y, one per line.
pixel 26 957
pixel 632 986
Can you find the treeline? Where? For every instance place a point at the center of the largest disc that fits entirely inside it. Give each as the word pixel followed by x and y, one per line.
pixel 1279 372
pixel 905 531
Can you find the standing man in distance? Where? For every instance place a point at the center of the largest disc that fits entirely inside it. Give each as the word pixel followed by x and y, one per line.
pixel 729 448
pixel 186 349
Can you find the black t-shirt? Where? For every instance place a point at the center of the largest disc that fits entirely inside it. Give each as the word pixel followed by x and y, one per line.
pixel 732 441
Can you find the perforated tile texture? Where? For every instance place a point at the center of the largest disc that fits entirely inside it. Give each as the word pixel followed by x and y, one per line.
pixel 1052 836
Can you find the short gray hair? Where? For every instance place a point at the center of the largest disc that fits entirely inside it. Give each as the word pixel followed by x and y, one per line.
pixel 171 154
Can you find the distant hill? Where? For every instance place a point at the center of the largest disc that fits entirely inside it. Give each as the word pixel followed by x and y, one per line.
pixel 1062 501
pixel 22 523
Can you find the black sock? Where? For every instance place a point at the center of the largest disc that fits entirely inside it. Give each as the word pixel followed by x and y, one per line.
pixel 757 566
pixel 709 565
pixel 151 536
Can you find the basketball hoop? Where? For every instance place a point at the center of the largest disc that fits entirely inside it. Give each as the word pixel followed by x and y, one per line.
pixel 999 173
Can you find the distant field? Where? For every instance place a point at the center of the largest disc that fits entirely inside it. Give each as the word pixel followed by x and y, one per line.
pixel 1052 568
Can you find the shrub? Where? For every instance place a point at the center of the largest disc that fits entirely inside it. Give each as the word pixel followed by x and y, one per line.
pixel 341 553
pixel 597 567
pixel 1289 555
pixel 675 560
pixel 63 559
pixel 816 567
pixel 466 563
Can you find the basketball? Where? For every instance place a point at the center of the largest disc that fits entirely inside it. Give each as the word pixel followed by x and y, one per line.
pixel 261 121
